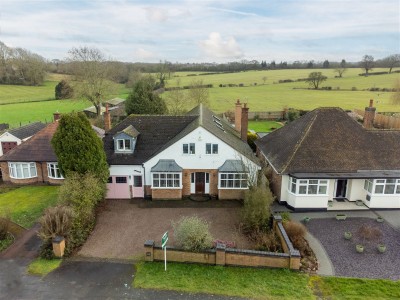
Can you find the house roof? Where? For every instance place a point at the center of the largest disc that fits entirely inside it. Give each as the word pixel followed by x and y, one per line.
pixel 115 101
pixel 166 165
pixel 131 131
pixel 327 140
pixel 233 166
pixel 36 149
pixel 157 133
pixel 26 131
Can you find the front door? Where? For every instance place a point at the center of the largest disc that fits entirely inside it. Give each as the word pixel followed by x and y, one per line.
pixel 200 182
pixel 138 190
pixel 341 188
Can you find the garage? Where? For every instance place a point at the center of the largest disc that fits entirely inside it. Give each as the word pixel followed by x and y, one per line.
pixel 118 187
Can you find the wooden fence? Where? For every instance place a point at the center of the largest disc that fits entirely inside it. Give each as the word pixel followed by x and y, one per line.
pixel 382 121
pixel 267 115
pixel 222 256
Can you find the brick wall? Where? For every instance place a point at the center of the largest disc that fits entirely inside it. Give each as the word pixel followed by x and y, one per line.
pixel 186 177
pixel 231 194
pixel 234 257
pixel 166 194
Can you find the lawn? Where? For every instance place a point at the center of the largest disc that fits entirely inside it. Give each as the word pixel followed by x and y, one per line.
pixel 264 126
pixel 42 266
pixel 231 281
pixel 26 204
pixel 252 283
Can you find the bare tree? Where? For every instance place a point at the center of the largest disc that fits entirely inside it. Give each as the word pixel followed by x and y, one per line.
pixel 367 63
pixel 92 72
pixel 341 68
pixel 198 92
pixel 315 79
pixel 177 100
pixel 391 61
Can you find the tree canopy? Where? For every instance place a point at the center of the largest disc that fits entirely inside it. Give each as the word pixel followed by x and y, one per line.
pixel 143 99
pixel 78 148
pixel 315 79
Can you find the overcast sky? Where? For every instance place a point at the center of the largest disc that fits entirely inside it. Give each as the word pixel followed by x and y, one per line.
pixel 205 31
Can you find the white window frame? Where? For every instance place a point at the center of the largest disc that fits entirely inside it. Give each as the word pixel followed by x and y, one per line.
pixel 308 185
pixel 212 148
pixel 191 148
pixel 233 181
pixel 383 184
pixel 18 168
pixel 172 180
pixel 124 148
pixel 53 166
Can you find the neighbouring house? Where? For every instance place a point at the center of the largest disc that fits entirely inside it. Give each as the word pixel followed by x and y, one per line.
pixel 13 137
pixel 170 157
pixel 34 161
pixel 116 107
pixel 327 155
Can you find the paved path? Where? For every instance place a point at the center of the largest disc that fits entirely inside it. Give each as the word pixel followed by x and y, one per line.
pixel 27 245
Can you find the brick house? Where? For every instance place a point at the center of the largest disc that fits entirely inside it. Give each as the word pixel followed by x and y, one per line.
pixel 326 155
pixel 170 157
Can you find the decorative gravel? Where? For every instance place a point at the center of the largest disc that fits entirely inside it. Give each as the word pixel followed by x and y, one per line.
pixel 346 260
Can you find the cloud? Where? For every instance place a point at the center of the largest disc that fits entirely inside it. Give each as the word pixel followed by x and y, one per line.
pixel 216 47
pixel 156 14
pixel 142 54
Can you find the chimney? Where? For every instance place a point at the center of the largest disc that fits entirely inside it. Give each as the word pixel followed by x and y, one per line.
pixel 107 119
pixel 369 115
pixel 238 115
pixel 244 123
pixel 56 116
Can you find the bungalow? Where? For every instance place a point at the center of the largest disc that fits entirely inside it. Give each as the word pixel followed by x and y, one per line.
pixel 170 157
pixel 13 137
pixel 327 155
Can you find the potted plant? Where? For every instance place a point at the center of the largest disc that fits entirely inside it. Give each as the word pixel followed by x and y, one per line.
pixel 360 248
pixel 341 217
pixel 347 235
pixel 306 219
pixel 379 219
pixel 381 248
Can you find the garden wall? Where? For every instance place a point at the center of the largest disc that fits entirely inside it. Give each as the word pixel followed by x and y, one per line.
pixel 382 121
pixel 232 257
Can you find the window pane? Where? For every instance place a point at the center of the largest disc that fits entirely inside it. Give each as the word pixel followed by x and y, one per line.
pixel 230 183
pixel 163 176
pixel 110 180
pixel 366 185
pixel 25 170
pixel 323 182
pixel 156 183
pixel 322 189
pixel 192 148
pixel 185 148
pixel 120 180
pixel 223 176
pixel 390 180
pixel 208 148
pixel 33 170
pixel 223 183
pixel 312 189
pixel 170 176
pixel 127 144
pixel 120 144
pixel 378 189
pixel 230 176
pixel 313 181
pixel 398 189
pixel 237 183
pixel 244 183
pixel 303 189
pixel 215 148
pixel 137 181
pixel 303 181
pixel 293 190
pixel 170 183
pixel 380 181
pixel 19 170
pixel 389 189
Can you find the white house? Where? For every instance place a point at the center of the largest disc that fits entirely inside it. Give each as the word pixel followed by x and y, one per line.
pixel 170 157
pixel 327 155
pixel 13 137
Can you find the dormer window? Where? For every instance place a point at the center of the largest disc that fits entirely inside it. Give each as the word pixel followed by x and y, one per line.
pixel 124 145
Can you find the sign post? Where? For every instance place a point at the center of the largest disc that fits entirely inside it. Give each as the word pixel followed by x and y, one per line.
pixel 164 241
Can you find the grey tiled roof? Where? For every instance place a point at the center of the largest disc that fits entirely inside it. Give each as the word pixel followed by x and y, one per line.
pixel 233 166
pixel 27 130
pixel 166 165
pixel 327 140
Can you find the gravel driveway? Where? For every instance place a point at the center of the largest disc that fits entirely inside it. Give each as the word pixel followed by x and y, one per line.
pixel 345 259
pixel 123 227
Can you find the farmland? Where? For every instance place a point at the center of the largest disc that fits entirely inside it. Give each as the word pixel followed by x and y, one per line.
pixel 261 90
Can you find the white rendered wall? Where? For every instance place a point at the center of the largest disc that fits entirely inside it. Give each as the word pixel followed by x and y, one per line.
pixel 384 201
pixel 8 137
pixel 356 191
pixel 199 160
pixel 126 170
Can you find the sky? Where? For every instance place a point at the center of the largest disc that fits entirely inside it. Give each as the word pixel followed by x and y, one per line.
pixel 205 31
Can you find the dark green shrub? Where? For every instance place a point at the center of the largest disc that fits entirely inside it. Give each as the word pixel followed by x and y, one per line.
pixel 4 227
pixel 251 138
pixel 46 250
pixel 63 90
pixel 192 234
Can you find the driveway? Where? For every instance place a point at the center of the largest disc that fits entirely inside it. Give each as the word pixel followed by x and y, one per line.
pixel 123 226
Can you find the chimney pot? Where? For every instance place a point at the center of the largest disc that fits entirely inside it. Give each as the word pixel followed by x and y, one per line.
pixel 371 103
pixel 369 115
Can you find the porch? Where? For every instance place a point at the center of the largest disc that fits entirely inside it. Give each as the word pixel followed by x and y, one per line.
pixel 344 204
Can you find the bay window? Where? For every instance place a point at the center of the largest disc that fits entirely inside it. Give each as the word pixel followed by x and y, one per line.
pixel 20 170
pixel 308 186
pixel 53 171
pixel 166 180
pixel 382 186
pixel 233 180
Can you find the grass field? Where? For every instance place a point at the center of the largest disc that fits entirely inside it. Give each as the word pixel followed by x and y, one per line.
pixel 264 96
pixel 264 126
pixel 26 204
pixel 252 283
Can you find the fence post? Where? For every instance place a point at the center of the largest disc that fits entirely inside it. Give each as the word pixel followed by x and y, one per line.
pixel 149 250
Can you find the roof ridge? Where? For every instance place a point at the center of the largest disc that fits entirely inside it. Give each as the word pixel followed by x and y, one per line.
pixel 299 144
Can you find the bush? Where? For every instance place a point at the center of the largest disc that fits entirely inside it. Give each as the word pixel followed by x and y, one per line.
pixel 292 114
pixel 4 226
pixel 266 241
pixel 56 221
pixel 46 250
pixel 285 216
pixel 63 90
pixel 251 138
pixel 192 234
pixel 256 210
pixel 296 232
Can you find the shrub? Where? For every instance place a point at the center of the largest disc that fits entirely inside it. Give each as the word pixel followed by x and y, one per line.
pixel 296 232
pixel 56 221
pixel 46 250
pixel 192 234
pixel 292 114
pixel 285 216
pixel 251 138
pixel 256 210
pixel 63 90
pixel 354 88
pixel 266 241
pixel 368 233
pixel 4 227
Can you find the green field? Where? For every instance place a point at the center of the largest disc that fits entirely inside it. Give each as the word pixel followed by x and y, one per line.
pixel 264 126
pixel 260 96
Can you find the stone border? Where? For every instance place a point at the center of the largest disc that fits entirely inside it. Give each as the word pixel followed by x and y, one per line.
pixel 223 256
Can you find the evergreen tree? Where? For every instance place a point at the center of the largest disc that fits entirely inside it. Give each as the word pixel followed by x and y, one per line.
pixel 78 148
pixel 63 90
pixel 143 99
